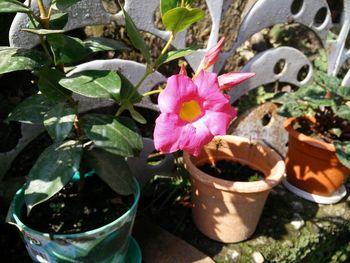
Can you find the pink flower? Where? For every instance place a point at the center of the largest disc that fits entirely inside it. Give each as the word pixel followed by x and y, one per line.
pixel 192 113
pixel 212 55
pixel 231 79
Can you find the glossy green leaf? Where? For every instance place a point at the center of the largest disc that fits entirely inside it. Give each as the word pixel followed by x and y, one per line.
pixel 135 37
pixel 31 110
pixel 13 6
pixel 343 152
pixel 166 5
pixel 291 109
pixel 16 59
pixel 64 4
pixel 112 169
pixel 59 121
pixel 176 54
pixel 42 32
pixel 48 84
pixel 96 44
pixel 52 171
pixel 118 135
pixel 344 112
pixel 94 84
pixel 67 50
pixel 136 115
pixel 58 20
pixel 126 90
pixel 180 18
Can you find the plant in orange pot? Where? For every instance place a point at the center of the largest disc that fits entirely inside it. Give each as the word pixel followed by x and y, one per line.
pixel 194 112
pixel 318 157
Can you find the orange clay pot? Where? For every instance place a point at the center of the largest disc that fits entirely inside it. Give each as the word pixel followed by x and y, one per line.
pixel 229 211
pixel 311 164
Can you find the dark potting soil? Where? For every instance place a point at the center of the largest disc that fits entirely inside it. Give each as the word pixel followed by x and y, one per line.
pixel 70 212
pixel 232 171
pixel 323 129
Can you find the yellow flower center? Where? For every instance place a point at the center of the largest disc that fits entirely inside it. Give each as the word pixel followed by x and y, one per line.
pixel 190 111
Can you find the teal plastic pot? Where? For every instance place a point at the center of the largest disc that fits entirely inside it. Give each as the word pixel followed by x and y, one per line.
pixel 109 243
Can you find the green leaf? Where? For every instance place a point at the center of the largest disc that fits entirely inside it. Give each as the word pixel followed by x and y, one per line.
pixel 13 6
pixel 172 55
pixel 67 50
pixel 59 121
pixel 96 44
pixel 58 20
pixel 291 109
pixel 94 84
pixel 310 92
pixel 118 135
pixel 64 4
pixel 112 169
pixel 135 37
pixel 343 152
pixel 136 115
pixel 15 59
pixel 31 110
pixel 344 92
pixel 328 82
pixel 49 84
pixel 166 5
pixel 126 88
pixel 42 32
pixel 52 171
pixel 344 112
pixel 180 18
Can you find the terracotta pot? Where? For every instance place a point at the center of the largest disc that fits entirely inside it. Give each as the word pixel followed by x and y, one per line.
pixel 229 211
pixel 312 164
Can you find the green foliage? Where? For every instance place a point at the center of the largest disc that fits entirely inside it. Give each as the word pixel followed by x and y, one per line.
pixel 31 110
pixel 94 84
pixel 180 18
pixel 103 140
pixel 328 102
pixel 112 169
pixel 13 6
pixel 117 135
pixel 15 59
pixel 135 36
pixel 49 86
pixel 59 121
pixel 52 171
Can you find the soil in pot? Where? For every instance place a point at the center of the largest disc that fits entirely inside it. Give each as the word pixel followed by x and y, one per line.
pixel 232 170
pixel 322 130
pixel 74 211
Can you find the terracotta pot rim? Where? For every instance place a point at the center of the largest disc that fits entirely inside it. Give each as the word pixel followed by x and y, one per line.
pixel 242 187
pixel 288 125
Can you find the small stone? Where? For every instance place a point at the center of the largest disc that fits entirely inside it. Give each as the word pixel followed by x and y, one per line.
pixel 258 257
pixel 234 255
pixel 297 222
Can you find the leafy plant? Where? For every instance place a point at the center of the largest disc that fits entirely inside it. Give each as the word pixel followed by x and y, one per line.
pixel 83 142
pixel 328 102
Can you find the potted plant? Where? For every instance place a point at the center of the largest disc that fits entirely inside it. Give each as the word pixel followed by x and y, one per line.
pixel 227 208
pixel 318 157
pixel 194 111
pixel 87 159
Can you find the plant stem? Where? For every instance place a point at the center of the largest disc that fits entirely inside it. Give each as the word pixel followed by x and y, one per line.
pixel 43 17
pixel 171 39
pixel 152 92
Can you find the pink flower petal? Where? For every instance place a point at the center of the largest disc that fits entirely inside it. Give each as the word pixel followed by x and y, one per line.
pixel 179 88
pixel 212 55
pixel 231 79
pixel 218 122
pixel 167 133
pixel 207 84
pixel 194 137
